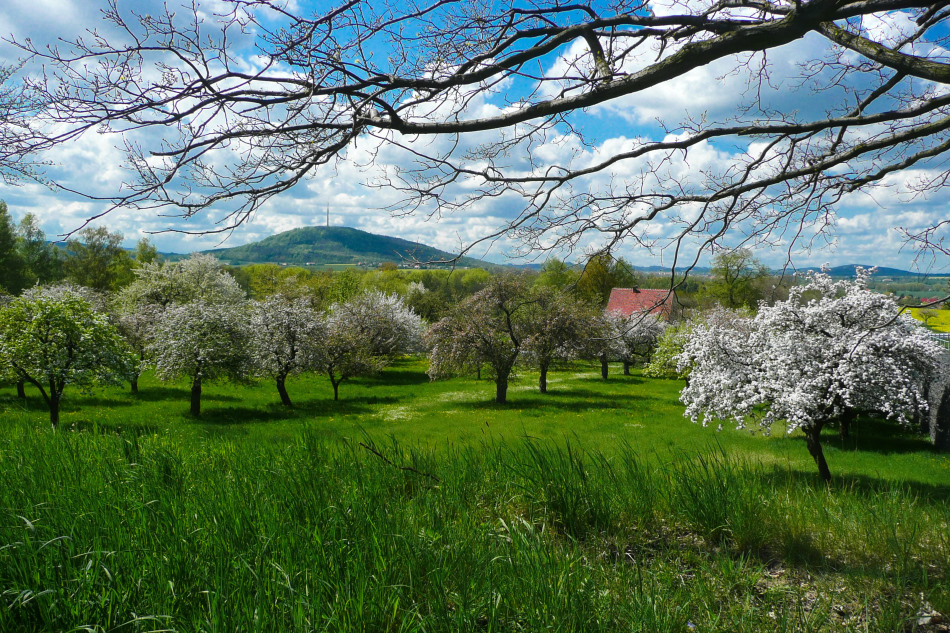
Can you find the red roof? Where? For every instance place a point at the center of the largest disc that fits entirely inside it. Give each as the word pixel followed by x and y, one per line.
pixel 627 301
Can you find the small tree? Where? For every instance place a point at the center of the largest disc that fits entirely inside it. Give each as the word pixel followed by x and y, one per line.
pixel 201 341
pixel 97 260
pixel 832 348
pixel 488 327
pixel 345 353
pixel 638 336
pixel 287 336
pixel 53 342
pixel 557 326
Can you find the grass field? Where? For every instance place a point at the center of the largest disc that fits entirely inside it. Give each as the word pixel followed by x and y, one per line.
pixel 418 506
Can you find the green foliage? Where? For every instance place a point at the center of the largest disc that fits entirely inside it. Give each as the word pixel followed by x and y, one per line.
pixel 13 269
pixel 557 274
pixel 738 280
pixel 603 273
pixel 663 363
pixel 146 252
pixel 43 261
pixel 97 260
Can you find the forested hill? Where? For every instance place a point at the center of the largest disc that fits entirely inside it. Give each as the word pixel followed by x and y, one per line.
pixel 335 245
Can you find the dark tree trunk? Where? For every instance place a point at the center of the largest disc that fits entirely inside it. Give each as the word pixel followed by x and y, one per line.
pixel 54 412
pixel 501 390
pixel 543 380
pixel 501 384
pixel 196 397
pixel 282 390
pixel 603 366
pixel 847 419
pixel 20 390
pixel 135 383
pixel 813 439
pixel 336 388
pixel 478 373
pixel 626 368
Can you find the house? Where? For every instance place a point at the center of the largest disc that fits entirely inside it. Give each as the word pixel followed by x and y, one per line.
pixel 627 301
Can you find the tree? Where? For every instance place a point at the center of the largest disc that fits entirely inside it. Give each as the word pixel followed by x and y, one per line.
pixel 389 326
pixel 287 336
pixel 500 81
pixel 146 252
pixel 637 335
pixel 43 261
pixel 811 362
pixel 97 260
pixel 13 273
pixel 54 342
pixel 557 326
pixel 18 140
pixel 736 279
pixel 487 328
pixel 201 341
pixel 198 278
pixel 602 274
pixel 344 354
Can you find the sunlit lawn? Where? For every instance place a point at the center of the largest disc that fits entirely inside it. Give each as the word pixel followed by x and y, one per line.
pixel 417 506
pixel 642 413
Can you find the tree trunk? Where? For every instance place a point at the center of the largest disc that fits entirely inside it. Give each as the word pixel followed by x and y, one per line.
pixel 543 380
pixel 20 390
pixel 603 366
pixel 54 410
pixel 336 388
pixel 282 390
pixel 478 372
pixel 501 390
pixel 847 418
pixel 196 397
pixel 626 368
pixel 135 383
pixel 813 439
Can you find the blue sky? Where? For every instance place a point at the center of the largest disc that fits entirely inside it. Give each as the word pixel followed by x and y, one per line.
pixel 864 231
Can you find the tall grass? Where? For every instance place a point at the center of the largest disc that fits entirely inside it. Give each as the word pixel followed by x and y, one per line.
pixel 137 532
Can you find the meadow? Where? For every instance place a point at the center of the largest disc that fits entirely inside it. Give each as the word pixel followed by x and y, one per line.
pixel 418 506
pixel 937 320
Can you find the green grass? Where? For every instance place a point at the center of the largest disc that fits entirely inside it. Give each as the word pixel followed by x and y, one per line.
pixel 418 506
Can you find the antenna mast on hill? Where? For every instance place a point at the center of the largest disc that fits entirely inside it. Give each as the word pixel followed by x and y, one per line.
pixel 328 215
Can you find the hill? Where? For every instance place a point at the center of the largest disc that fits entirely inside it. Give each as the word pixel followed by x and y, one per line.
pixel 321 245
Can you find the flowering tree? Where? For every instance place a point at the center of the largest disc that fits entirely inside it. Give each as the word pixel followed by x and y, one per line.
pixel 638 335
pixel 557 326
pixel 389 326
pixel 831 348
pixel 54 342
pixel 490 327
pixel 286 339
pixel 345 353
pixel 198 278
pixel 603 340
pixel 135 324
pixel 201 341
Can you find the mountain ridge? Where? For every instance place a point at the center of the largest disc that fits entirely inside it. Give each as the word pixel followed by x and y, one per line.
pixel 322 245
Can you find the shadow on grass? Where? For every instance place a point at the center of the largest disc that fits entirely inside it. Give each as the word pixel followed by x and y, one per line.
pixel 878 436
pixel 302 410
pixel 173 394
pixel 568 400
pixel 127 429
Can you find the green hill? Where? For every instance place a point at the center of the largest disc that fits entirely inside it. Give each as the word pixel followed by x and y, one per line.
pixel 320 245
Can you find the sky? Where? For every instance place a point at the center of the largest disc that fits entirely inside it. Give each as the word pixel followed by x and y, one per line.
pixel 864 231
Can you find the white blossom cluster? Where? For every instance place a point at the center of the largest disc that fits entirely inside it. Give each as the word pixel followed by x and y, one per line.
pixel 833 346
pixel 389 326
